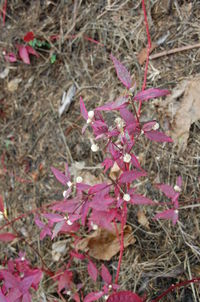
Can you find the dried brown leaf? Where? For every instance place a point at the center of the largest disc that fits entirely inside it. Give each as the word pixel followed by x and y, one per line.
pixel 181 109
pixel 103 244
pixel 142 56
pixel 142 219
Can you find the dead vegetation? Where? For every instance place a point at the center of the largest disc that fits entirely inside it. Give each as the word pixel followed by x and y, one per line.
pixel 33 137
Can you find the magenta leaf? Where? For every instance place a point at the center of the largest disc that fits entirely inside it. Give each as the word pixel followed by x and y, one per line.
pixel 139 199
pixel 62 178
pixel 7 237
pixel 167 190
pixel 127 116
pixel 54 217
pixel 92 270
pixel 106 276
pixel 10 57
pixel 150 93
pixel 130 176
pixel 83 109
pixel 120 103
pixel 157 136
pixel 122 73
pixel 99 187
pixel 148 126
pixel 168 214
pixel 3 298
pixel 125 296
pixel 32 51
pixel 179 181
pixel 93 296
pixel 23 53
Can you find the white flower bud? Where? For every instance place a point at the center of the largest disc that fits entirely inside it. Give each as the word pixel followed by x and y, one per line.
pixel 79 179
pixel 177 188
pixel 110 286
pixel 68 292
pixel 94 148
pixel 65 194
pixel 156 126
pixel 126 197
pixel 89 120
pixel 69 222
pixel 22 258
pixel 142 131
pixel 69 183
pixel 94 226
pixel 90 114
pixel 127 158
pixel 176 211
pixel 1 216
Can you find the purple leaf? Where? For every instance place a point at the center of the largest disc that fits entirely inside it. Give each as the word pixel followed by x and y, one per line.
pixel 105 274
pixel 135 161
pixel 10 57
pixel 93 296
pixel 168 214
pixel 127 116
pixel 150 93
pixel 23 53
pixel 125 296
pixel 32 51
pixel 10 280
pixel 101 204
pixel 139 199
pixel 3 298
pixel 116 105
pixel 157 136
pixel 167 190
pixel 99 187
pixel 54 217
pixel 92 270
pixel 122 73
pixel 148 126
pixel 130 176
pixel 83 109
pixel 62 178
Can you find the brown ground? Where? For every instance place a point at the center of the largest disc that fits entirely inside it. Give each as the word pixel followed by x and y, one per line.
pixel 33 137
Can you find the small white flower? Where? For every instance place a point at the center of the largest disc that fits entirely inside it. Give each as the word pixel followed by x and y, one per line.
pixel 79 179
pixel 142 131
pixel 69 222
pixel 94 226
pixel 90 114
pixel 126 197
pixel 94 148
pixel 177 188
pixel 127 158
pixel 176 211
pixel 156 126
pixel 22 258
pixel 1 216
pixel 68 292
pixel 105 297
pixel 65 194
pixel 69 183
pixel 89 120
pixel 110 286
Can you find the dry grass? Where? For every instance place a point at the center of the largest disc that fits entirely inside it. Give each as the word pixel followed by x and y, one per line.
pixel 162 255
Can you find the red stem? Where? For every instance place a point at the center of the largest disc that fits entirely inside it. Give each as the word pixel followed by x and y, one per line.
pixel 148 52
pixel 174 286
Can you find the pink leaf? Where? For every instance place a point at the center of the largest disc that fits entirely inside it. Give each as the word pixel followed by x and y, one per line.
pixel 63 179
pixel 167 190
pixel 130 176
pixel 6 237
pixel 120 103
pixel 168 214
pixel 1 204
pixel 83 109
pixel 125 296
pixel 105 274
pixel 32 51
pixel 99 187
pixel 139 199
pixel 23 53
pixel 150 93
pixel 10 57
pixel 179 181
pixel 148 126
pixel 3 298
pixel 127 116
pixel 92 270
pixel 54 217
pixel 93 296
pixel 122 73
pixel 157 136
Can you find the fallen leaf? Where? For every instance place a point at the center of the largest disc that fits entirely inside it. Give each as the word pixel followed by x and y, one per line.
pixel 180 110
pixel 103 244
pixel 142 219
pixel 67 99
pixel 4 73
pixel 59 248
pixel 143 53
pixel 13 84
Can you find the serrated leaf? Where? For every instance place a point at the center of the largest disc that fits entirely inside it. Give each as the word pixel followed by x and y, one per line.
pixel 122 73
pixel 150 93
pixel 129 176
pixel 92 270
pixel 157 136
pixel 7 237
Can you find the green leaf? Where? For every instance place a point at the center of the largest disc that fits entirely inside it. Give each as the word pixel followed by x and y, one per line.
pixel 53 58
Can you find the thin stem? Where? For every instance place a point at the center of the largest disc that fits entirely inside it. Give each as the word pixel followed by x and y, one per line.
pixel 148 52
